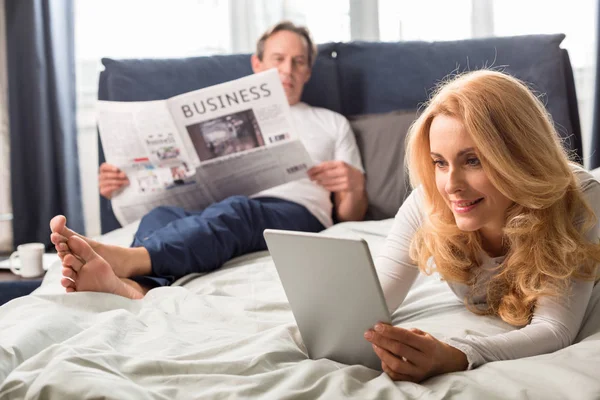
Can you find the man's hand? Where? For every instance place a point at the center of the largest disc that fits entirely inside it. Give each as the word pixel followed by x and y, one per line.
pixel 110 179
pixel 348 185
pixel 413 355
pixel 337 176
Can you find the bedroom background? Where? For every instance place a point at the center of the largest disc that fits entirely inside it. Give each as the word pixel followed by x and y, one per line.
pixel 187 28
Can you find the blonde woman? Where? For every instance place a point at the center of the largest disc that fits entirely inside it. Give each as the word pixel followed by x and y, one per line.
pixel 503 217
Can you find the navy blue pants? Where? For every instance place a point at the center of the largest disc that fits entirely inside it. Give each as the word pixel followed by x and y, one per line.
pixel 182 242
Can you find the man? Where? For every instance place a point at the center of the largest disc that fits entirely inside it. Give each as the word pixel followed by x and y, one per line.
pixel 171 242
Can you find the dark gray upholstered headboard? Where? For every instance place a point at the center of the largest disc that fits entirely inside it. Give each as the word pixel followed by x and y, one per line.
pixel 367 78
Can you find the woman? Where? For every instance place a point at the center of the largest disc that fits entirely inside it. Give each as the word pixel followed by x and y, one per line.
pixel 500 213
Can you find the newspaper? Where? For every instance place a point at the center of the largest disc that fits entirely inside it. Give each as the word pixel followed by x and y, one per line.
pixel 236 138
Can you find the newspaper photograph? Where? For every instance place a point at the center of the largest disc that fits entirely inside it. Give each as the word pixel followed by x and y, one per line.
pixel 235 138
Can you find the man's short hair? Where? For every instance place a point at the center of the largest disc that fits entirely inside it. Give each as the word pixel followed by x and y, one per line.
pixel 290 27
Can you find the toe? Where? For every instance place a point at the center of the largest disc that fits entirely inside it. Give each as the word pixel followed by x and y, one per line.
pixel 68 272
pixel 81 249
pixel 58 223
pixel 57 238
pixel 73 262
pixel 71 290
pixel 62 248
pixel 67 283
pixel 63 254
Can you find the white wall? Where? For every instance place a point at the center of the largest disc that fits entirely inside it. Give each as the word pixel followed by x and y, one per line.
pixel 5 203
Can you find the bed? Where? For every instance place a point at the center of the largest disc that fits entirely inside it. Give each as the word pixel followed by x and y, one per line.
pixel 231 334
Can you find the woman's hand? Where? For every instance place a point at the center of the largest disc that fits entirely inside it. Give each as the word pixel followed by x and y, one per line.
pixel 110 179
pixel 413 355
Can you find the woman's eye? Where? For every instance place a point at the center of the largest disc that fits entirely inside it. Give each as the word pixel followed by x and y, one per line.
pixel 439 163
pixel 473 162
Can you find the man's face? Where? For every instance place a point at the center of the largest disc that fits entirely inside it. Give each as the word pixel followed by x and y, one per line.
pixel 288 52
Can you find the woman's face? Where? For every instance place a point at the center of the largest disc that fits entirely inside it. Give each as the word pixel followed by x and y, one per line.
pixel 461 181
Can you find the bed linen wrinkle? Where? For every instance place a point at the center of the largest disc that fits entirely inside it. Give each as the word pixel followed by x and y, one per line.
pixel 231 334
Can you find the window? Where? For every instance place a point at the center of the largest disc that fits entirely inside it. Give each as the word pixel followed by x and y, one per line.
pixel 162 28
pixel 167 29
pixel 428 20
pixel 442 20
pixel 577 21
pixel 328 21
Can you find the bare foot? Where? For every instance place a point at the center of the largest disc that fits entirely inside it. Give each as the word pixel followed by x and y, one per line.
pixel 85 271
pixel 125 262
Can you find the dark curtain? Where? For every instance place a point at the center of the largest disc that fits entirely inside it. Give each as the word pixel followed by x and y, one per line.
pixel 43 135
pixel 595 150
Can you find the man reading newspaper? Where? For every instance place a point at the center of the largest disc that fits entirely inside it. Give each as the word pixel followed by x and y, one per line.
pixel 172 242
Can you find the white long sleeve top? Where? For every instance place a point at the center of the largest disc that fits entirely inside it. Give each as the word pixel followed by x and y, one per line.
pixel 555 321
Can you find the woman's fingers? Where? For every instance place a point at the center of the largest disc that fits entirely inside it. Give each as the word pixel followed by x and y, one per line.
pixel 398 348
pixel 396 364
pixel 414 353
pixel 414 338
pixel 394 375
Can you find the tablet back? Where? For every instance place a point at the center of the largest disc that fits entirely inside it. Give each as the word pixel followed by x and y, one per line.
pixel 334 293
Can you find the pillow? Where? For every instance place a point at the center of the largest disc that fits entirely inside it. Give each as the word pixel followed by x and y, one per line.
pixel 380 138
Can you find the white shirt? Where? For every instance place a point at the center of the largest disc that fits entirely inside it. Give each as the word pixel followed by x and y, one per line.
pixel 555 322
pixel 327 136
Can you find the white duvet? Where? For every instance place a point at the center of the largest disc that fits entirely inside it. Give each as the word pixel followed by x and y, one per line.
pixel 231 334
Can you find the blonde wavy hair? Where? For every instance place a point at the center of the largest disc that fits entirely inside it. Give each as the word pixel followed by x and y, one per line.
pixel 522 155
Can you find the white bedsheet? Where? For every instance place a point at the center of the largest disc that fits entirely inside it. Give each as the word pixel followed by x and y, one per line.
pixel 231 334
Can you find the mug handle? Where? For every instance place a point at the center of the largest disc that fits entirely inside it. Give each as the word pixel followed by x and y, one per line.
pixel 13 256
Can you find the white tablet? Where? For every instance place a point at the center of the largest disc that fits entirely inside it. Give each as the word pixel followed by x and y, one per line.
pixel 334 293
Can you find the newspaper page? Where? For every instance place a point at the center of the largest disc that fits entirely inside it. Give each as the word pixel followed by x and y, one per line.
pixel 141 139
pixel 236 138
pixel 242 134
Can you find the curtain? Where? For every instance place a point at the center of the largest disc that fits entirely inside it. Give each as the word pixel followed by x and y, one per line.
pixel 41 75
pixel 5 203
pixel 594 152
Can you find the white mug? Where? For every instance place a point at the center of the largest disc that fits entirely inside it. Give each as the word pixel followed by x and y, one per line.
pixel 31 257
